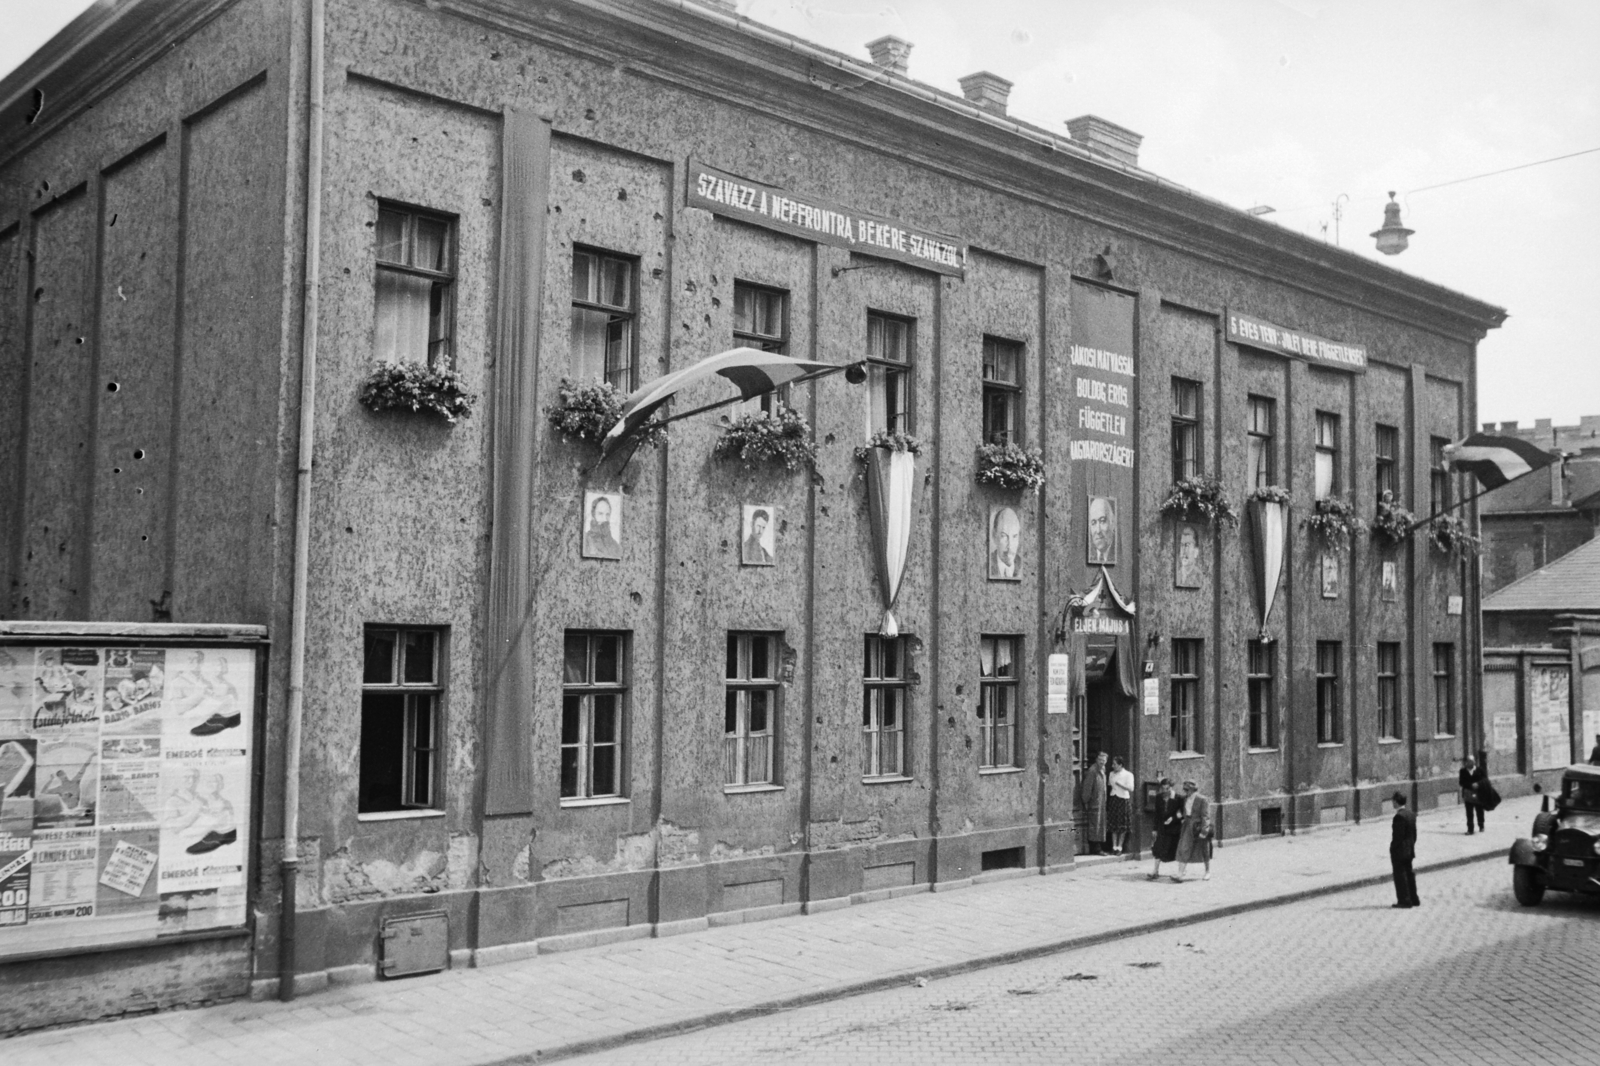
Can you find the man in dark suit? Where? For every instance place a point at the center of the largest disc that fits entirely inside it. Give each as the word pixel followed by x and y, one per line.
pixel 1402 852
pixel 1471 778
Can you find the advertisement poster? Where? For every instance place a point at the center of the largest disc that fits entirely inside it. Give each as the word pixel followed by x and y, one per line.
pixel 1504 726
pixel 124 792
pixel 1549 739
pixel 1058 696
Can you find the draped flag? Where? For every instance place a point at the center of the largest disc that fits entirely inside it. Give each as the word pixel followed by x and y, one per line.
pixel 751 371
pixel 1495 460
pixel 1267 526
pixel 891 484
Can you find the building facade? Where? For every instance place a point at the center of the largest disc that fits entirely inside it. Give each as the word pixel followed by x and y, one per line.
pixel 563 697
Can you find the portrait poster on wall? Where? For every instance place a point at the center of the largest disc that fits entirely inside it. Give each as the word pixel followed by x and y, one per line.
pixel 1186 560
pixel 1005 544
pixel 124 792
pixel 1330 575
pixel 1102 530
pixel 757 538
pixel 1390 587
pixel 602 525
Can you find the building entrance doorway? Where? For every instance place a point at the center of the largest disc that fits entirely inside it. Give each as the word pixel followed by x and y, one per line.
pixel 1103 724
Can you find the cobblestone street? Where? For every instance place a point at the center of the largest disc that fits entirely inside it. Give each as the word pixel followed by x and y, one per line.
pixel 1469 978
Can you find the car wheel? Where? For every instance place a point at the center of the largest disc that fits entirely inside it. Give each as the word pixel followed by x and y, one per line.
pixel 1525 883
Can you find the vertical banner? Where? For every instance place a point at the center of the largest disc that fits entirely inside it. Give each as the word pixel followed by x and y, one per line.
pixel 1102 448
pixel 891 490
pixel 124 792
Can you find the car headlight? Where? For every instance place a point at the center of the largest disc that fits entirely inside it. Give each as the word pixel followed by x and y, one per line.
pixel 1541 842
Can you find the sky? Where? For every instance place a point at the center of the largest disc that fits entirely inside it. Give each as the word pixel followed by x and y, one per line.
pixel 1300 105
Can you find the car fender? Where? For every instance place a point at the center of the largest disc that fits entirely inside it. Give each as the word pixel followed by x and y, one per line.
pixel 1522 853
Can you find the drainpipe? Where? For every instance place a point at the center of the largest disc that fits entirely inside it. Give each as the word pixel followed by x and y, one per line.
pixel 302 508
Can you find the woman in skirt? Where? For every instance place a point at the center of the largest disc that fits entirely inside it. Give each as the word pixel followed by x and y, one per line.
pixel 1119 808
pixel 1169 827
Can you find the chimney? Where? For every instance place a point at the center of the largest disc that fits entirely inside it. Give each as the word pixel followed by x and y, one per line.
pixel 1106 138
pixel 890 53
pixel 1488 427
pixel 1558 481
pixel 1508 427
pixel 985 90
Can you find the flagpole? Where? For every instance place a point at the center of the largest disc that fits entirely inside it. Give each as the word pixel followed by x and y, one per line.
pixel 801 380
pixel 1419 523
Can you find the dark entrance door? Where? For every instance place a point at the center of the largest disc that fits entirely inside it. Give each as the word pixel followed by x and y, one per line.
pixel 1102 726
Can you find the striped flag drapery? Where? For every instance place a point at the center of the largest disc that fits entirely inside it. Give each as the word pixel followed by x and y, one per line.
pixel 1495 460
pixel 891 506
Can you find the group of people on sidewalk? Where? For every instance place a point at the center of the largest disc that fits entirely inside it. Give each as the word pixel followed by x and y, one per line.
pixel 1183 824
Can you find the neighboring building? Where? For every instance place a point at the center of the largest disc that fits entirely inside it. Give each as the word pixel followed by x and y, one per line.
pixel 563 699
pixel 1542 666
pixel 1538 518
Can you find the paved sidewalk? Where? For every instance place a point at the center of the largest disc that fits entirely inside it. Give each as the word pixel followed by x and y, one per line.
pixel 555 1005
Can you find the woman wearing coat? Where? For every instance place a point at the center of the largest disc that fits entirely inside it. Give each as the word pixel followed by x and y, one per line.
pixel 1194 844
pixel 1092 797
pixel 1169 827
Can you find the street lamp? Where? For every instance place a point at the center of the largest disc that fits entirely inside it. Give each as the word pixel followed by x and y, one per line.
pixel 1392 237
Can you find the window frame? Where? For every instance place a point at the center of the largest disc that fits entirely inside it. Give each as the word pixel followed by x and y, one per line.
pixel 417 696
pixel 1185 717
pixel 1265 473
pixel 1003 693
pixel 739 744
pixel 875 689
pixel 767 402
pixel 1186 394
pixel 1388 663
pixel 1261 690
pixel 441 331
pixel 1330 716
pixel 1441 488
pixel 586 690
pixel 1444 689
pixel 1386 461
pixel 1327 444
pixel 627 377
pixel 882 370
pixel 998 391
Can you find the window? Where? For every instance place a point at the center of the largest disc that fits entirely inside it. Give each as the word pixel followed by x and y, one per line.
pixel 593 687
pixel 1327 471
pixel 1388 691
pixel 1438 476
pixel 415 274
pixel 998 660
pixel 1263 702
pixel 602 318
pixel 1185 428
pixel 888 374
pixel 1263 458
pixel 1002 391
pixel 761 321
pixel 1330 723
pixel 1386 450
pixel 1185 721
pixel 883 707
pixel 750 708
pixel 401 688
pixel 1444 690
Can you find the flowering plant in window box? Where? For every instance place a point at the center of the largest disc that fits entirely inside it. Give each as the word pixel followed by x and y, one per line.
pixel 1392 523
pixel 1269 494
pixel 1452 535
pixel 1333 521
pixel 587 412
pixel 1203 497
pixel 784 436
pixel 894 442
pixel 437 390
pixel 1008 465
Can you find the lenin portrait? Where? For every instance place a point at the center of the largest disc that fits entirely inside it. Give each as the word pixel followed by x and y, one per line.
pixel 1005 542
pixel 602 525
pixel 1102 531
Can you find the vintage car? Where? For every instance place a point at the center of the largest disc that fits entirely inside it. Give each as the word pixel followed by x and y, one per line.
pixel 1564 851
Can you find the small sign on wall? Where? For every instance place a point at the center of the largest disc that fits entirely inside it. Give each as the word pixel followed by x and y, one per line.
pixel 1058 694
pixel 1152 696
pixel 1452 605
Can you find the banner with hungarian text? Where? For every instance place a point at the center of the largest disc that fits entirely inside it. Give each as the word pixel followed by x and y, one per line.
pixel 1102 447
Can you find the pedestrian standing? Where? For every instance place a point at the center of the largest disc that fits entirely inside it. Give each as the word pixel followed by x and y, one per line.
pixel 1194 843
pixel 1594 752
pixel 1092 797
pixel 1169 827
pixel 1402 852
pixel 1119 805
pixel 1472 778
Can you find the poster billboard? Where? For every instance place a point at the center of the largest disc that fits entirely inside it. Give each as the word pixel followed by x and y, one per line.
pixel 1549 706
pixel 124 792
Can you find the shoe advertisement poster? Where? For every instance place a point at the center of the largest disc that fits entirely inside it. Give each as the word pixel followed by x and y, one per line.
pixel 124 792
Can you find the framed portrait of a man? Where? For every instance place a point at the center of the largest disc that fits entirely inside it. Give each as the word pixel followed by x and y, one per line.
pixel 1186 560
pixel 1102 531
pixel 1005 544
pixel 1330 575
pixel 757 539
pixel 602 525
pixel 1391 581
